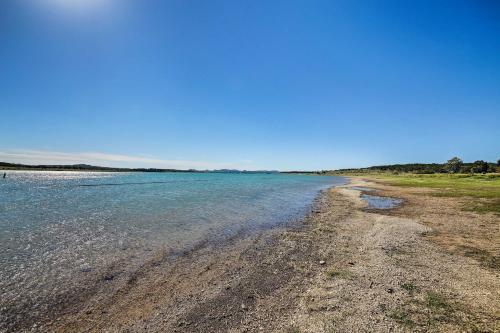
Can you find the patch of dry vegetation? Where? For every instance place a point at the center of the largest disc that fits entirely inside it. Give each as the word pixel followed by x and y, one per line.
pixel 462 210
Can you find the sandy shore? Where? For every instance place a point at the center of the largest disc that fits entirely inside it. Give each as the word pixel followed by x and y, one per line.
pixel 347 269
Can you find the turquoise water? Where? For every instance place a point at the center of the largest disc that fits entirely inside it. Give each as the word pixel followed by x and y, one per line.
pixel 56 226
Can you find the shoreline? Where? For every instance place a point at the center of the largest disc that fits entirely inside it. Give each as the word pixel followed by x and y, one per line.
pixel 100 281
pixel 344 262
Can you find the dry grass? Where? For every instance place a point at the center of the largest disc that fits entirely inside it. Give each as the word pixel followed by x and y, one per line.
pixel 339 273
pixel 462 210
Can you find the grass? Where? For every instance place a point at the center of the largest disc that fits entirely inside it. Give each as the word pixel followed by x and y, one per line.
pixel 484 257
pixel 342 274
pixel 453 185
pixel 435 301
pixel 491 206
pixel 431 311
pixel 482 189
pixel 293 329
pixel 409 287
pixel 402 318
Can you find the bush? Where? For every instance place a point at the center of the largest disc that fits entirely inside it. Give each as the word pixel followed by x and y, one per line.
pixel 480 167
pixel 465 169
pixel 453 165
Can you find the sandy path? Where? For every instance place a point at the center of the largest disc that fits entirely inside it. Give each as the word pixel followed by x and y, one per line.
pixel 346 270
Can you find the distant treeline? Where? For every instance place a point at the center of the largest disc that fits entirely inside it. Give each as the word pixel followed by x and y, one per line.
pixel 79 167
pixel 86 167
pixel 304 172
pixel 454 165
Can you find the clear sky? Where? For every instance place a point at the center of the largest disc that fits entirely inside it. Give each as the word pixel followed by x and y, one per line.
pixel 249 84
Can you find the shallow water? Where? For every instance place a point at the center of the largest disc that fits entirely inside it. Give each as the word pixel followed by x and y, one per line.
pixel 378 202
pixel 58 226
pixel 361 188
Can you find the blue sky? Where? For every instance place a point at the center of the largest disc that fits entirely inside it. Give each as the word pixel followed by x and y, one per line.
pixel 249 84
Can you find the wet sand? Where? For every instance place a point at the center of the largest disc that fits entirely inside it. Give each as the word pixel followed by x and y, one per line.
pixel 348 268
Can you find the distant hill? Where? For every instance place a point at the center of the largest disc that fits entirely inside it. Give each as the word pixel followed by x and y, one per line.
pixel 79 167
pixel 87 167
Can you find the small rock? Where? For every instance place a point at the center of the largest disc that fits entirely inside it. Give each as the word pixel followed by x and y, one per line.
pixel 322 262
pixel 108 277
pixel 243 306
pixel 85 269
pixel 390 291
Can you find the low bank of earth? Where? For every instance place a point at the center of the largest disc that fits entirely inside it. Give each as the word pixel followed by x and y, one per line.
pixel 427 265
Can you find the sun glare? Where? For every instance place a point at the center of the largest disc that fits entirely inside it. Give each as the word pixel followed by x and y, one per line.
pixel 78 6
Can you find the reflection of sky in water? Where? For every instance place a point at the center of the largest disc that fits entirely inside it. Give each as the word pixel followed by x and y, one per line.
pixel 381 202
pixel 361 188
pixel 56 224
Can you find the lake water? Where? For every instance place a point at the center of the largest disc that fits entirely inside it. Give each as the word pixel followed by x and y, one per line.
pixel 59 226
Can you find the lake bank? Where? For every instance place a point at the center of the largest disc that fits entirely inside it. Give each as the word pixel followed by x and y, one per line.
pixel 348 268
pixel 68 236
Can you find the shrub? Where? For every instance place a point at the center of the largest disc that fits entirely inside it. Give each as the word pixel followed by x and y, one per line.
pixel 479 167
pixel 453 165
pixel 465 169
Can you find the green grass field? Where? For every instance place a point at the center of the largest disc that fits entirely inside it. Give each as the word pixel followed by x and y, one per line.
pixel 477 185
pixel 482 189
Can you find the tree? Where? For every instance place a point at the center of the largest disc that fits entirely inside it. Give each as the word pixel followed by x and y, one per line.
pixel 453 165
pixel 480 166
pixel 465 169
pixel 498 162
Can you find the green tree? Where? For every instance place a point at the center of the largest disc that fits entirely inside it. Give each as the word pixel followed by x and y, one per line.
pixel 480 166
pixel 453 165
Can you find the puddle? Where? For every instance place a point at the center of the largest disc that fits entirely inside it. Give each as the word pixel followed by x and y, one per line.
pixel 361 188
pixel 377 202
